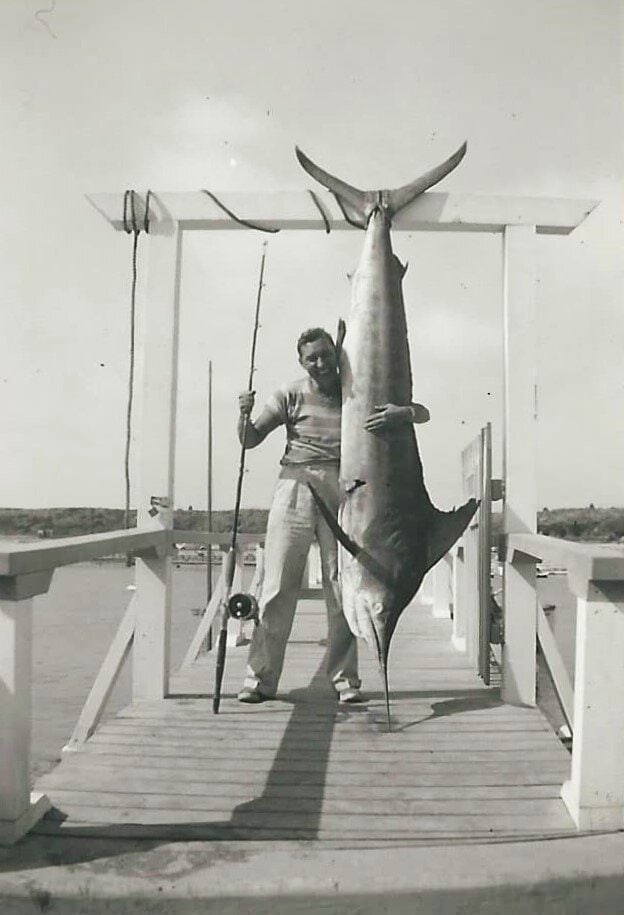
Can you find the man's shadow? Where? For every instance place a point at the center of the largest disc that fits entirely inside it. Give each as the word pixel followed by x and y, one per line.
pixel 292 799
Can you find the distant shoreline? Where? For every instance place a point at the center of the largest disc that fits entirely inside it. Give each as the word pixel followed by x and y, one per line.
pixel 590 524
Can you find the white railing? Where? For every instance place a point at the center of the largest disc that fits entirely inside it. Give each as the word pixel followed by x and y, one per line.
pixel 593 709
pixel 453 597
pixel 26 570
pixel 594 793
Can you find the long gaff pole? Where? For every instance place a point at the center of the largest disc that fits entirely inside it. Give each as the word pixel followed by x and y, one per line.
pixel 230 559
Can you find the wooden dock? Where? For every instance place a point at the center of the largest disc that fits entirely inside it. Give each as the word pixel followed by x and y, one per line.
pixel 459 766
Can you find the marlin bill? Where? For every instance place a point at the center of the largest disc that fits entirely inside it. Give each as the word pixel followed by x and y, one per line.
pixel 389 531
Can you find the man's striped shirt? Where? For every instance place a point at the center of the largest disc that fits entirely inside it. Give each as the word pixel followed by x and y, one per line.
pixel 312 421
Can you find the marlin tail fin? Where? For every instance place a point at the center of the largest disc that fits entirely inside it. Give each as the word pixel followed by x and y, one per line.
pixel 447 528
pixel 357 205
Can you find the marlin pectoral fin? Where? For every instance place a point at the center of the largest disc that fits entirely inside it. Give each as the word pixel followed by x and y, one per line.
pixel 447 528
pixel 358 552
pixel 350 545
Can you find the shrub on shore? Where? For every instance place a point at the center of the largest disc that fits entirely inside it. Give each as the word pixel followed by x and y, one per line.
pixel 602 525
pixel 69 522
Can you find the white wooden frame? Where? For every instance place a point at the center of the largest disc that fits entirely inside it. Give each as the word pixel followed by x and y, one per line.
pixel 25 572
pixel 432 211
pixel 594 794
pixel 518 220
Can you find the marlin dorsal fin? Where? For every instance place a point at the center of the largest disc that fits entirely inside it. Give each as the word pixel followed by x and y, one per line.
pixel 447 528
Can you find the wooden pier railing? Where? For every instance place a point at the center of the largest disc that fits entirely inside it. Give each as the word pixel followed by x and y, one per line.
pixel 26 570
pixel 594 794
pixel 593 709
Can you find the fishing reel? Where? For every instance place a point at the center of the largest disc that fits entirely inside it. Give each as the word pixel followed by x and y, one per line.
pixel 243 607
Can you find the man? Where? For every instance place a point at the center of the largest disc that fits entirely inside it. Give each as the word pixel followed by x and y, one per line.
pixel 310 409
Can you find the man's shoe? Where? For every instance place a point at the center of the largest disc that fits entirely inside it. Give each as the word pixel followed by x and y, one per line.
pixel 251 696
pixel 350 695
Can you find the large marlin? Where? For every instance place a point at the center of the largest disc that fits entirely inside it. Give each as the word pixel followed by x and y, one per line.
pixel 390 532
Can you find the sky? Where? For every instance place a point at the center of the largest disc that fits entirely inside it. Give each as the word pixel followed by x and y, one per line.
pixel 104 95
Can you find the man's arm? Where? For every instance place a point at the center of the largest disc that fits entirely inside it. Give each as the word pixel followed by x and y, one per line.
pixel 268 420
pixel 385 416
pixel 246 401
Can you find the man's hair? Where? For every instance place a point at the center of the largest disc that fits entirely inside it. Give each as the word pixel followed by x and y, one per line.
pixel 312 334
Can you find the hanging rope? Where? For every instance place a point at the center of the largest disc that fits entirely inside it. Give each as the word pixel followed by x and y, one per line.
pixel 256 225
pixel 319 206
pixel 238 219
pixel 132 227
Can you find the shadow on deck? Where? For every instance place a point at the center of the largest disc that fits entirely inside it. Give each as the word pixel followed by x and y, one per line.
pixel 459 766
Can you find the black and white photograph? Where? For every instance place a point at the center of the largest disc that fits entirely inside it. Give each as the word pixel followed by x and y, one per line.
pixel 312 470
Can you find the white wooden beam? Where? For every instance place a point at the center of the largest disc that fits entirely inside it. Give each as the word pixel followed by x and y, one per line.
pixel 104 682
pixel 460 610
pixel 18 810
pixel 519 459
pixel 594 794
pixel 18 559
pixel 156 436
pixel 443 587
pixel 558 671
pixel 432 211
pixel 206 621
pixel 584 561
pixel 472 472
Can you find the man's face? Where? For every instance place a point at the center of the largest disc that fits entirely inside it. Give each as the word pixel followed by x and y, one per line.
pixel 318 358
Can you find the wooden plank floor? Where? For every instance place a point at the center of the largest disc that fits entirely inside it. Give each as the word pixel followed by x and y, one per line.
pixel 458 766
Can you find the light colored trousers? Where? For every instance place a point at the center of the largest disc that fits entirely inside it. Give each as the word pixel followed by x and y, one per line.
pixel 294 522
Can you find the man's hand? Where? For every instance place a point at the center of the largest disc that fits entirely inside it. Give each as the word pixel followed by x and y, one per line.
pixel 246 400
pixel 389 416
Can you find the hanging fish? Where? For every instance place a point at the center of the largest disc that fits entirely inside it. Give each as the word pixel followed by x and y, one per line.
pixel 390 532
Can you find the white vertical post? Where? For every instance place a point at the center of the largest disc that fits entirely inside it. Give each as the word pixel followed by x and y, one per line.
pixel 15 677
pixel 470 566
pixel 155 493
pixel 458 637
pixel 442 585
pixel 519 458
pixel 594 794
pixel 18 810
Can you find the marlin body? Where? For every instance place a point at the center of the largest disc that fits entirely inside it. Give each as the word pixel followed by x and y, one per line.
pixel 389 531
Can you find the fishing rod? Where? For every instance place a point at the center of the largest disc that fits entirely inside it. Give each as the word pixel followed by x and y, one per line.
pixel 238 606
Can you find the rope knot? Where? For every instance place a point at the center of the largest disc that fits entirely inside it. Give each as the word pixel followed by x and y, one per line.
pixel 131 223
